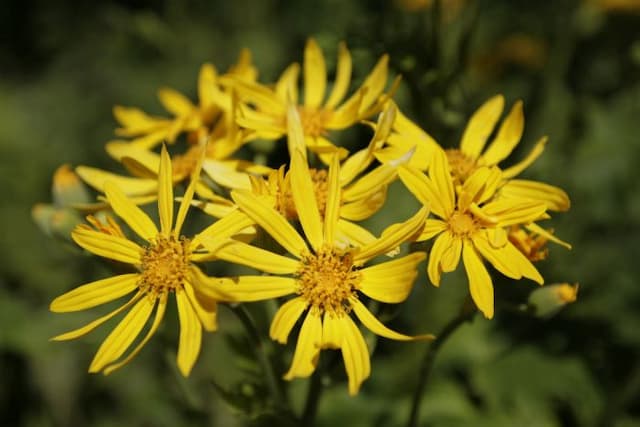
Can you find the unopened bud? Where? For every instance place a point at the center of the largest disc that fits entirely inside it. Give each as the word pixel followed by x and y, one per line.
pixel 67 188
pixel 548 300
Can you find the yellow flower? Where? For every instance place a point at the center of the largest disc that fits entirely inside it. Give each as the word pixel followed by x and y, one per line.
pixel 472 225
pixel 319 113
pixel 199 120
pixel 326 277
pixel 163 266
pixel 472 154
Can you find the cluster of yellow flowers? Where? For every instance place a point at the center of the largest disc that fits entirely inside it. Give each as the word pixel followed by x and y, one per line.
pixel 326 263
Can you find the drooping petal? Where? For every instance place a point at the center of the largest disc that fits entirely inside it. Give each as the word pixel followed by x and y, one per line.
pixel 525 266
pixel 123 335
pixel 285 318
pixel 304 197
pixel 391 281
pixel 533 155
pixel 555 198
pixel 393 236
pixel 95 293
pixel 507 138
pixel 513 211
pixel 162 305
pixel 451 256
pixel 343 77
pixel 480 126
pixel 269 219
pixel 96 178
pixel 258 288
pixel 209 287
pixel 480 285
pixel 440 246
pixel 260 259
pixel 331 336
pixel 364 208
pixel 108 246
pixel 307 351
pixel 315 75
pixel 165 192
pixel 190 334
pixel 139 221
pixel 354 353
pixel 76 333
pixel 332 208
pixel 375 326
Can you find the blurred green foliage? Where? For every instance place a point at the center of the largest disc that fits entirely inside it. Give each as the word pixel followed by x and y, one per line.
pixel 575 64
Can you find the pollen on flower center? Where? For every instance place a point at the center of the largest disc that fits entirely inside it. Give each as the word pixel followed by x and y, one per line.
pixel 462 166
pixel 285 204
pixel 165 264
pixel 462 224
pixel 314 121
pixel 327 280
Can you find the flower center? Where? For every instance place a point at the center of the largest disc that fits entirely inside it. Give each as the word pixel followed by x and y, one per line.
pixel 462 224
pixel 327 280
pixel 165 264
pixel 287 207
pixel 462 166
pixel 314 121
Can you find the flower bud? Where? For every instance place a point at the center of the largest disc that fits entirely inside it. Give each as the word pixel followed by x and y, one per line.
pixel 548 300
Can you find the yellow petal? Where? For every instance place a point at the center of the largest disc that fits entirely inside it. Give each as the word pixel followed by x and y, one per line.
pixel 217 233
pixel 285 318
pixel 108 246
pixel 391 281
pixel 188 195
pixel 175 102
pixel 392 236
pixel 331 336
pixel 76 333
pixel 343 77
pixel 555 198
pixel 272 222
pixel 527 161
pixel 350 234
pixel 165 192
pixel 148 160
pixel 123 335
pixel 190 334
pixel 497 257
pixel 440 247
pixel 264 98
pixel 132 186
pixel 304 197
pixel 139 222
pixel 535 228
pixel 480 126
pixel 287 86
pixel 162 305
pixel 375 326
pixel 375 82
pixel 480 285
pixel 507 138
pixel 225 174
pixel 258 288
pixel 431 228
pixel 440 175
pixel 136 121
pixel 204 307
pixel 260 259
pixel 370 183
pixel 347 114
pixel 315 75
pixel 525 266
pixel 295 133
pixel 364 208
pixel 424 189
pixel 513 211
pixel 307 351
pixel 354 165
pixel 95 293
pixel 207 85
pixel 354 353
pixel 451 256
pixel 332 209
pixel 211 288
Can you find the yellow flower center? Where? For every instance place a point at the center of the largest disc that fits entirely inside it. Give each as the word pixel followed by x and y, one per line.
pixel 462 166
pixel 165 264
pixel 314 121
pixel 287 207
pixel 462 224
pixel 327 280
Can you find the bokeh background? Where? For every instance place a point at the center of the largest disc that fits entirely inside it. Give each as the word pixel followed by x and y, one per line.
pixel 576 65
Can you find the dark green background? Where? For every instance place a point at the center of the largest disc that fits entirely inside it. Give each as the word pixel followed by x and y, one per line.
pixel 63 65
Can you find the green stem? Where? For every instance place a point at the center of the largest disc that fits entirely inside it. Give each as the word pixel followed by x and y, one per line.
pixel 254 336
pixel 430 355
pixel 313 397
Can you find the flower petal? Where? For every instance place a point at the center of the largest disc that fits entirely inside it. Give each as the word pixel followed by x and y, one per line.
pixel 205 308
pixel 364 208
pixel 431 228
pixel 480 126
pixel 375 326
pixel 269 219
pixel 440 247
pixel 260 259
pixel 370 183
pixel 76 333
pixel 480 285
pixel 165 192
pixel 315 75
pixel 304 197
pixel 497 257
pixel 440 174
pixel 424 189
pixel 217 233
pixel 123 335
pixel 175 102
pixel 331 336
pixel 190 334
pixel 343 77
pixel 258 288
pixel 332 208
pixel 108 246
pixel 513 211
pixel 351 234
pixel 507 138
pixel 391 281
pixel 354 353
pixel 96 178
pixel 554 197
pixel 285 318
pixel 129 212
pixel 95 293
pixel 162 305
pixel 527 161
pixel 307 351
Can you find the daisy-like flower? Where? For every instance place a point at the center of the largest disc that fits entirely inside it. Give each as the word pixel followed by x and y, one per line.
pixel 325 278
pixel 319 113
pixel 148 131
pixel 164 266
pixel 472 154
pixel 472 224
